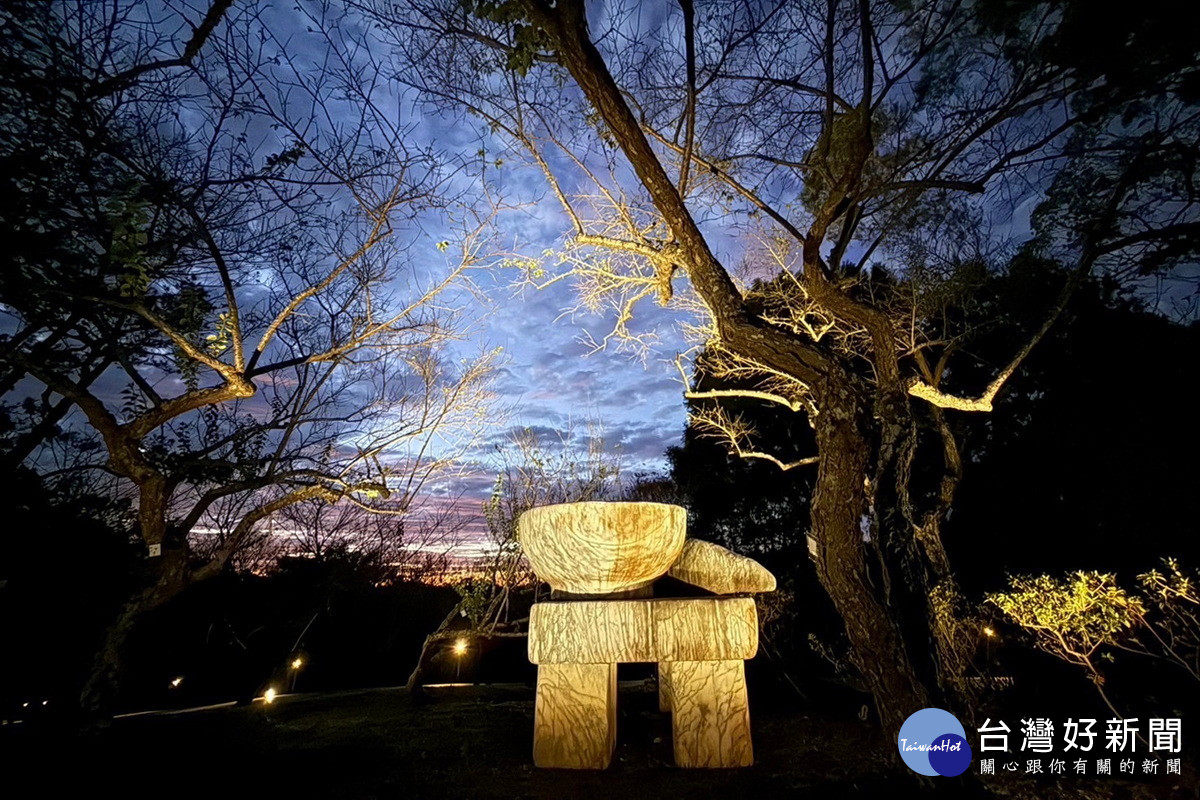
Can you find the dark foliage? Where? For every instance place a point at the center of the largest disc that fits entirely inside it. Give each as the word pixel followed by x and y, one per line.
pixel 67 562
pixel 1088 461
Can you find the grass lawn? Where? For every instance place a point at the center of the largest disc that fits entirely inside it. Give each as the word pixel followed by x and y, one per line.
pixel 466 742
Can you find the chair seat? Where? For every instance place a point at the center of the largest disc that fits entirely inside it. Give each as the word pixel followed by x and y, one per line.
pixel 643 630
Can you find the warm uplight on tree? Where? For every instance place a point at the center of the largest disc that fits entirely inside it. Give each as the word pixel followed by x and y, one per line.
pixel 460 647
pixel 269 695
pixel 989 631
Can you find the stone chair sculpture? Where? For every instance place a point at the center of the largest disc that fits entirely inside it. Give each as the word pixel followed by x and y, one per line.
pixel 600 560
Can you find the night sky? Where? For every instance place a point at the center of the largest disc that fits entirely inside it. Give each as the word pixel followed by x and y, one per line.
pixel 550 378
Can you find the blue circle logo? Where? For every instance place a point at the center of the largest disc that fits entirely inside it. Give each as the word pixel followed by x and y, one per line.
pixel 933 742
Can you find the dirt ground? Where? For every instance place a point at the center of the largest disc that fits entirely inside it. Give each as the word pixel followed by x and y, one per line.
pixel 469 742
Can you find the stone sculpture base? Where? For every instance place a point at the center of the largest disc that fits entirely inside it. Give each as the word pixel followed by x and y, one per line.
pixel 710 716
pixel 699 645
pixel 575 716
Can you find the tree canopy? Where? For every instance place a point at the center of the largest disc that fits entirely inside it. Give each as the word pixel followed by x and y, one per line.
pixel 822 185
pixel 212 272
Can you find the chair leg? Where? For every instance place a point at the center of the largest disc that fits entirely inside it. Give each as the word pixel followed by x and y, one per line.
pixel 664 686
pixel 710 720
pixel 575 716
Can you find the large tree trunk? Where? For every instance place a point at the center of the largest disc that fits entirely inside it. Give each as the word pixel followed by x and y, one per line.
pixel 102 688
pixel 846 440
pixel 908 508
pixel 839 522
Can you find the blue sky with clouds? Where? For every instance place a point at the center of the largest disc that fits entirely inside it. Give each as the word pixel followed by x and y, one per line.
pixel 549 379
pixel 552 378
pixel 554 382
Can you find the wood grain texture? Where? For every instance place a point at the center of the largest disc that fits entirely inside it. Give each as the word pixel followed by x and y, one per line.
pixel 575 716
pixel 720 571
pixel 664 686
pixel 597 548
pixel 661 629
pixel 710 715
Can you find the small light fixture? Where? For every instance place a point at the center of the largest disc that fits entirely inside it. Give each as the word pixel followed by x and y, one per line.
pixel 460 647
pixel 297 662
pixel 989 631
pixel 269 695
pixel 176 681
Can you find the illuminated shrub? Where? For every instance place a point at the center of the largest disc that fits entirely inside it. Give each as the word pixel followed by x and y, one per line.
pixel 1072 618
